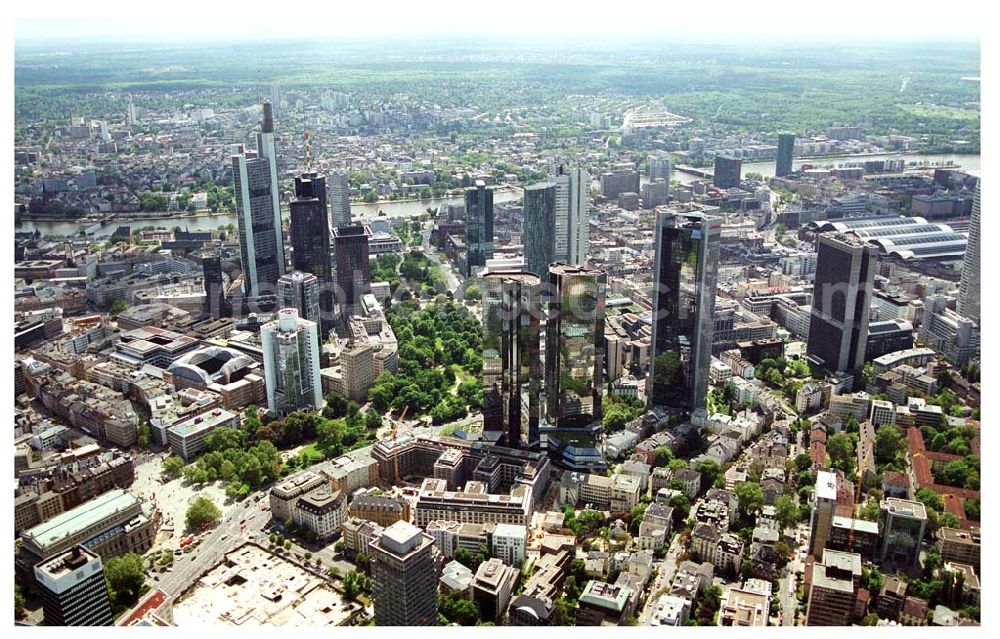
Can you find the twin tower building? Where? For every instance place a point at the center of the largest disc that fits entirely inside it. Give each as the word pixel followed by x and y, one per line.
pixel 550 398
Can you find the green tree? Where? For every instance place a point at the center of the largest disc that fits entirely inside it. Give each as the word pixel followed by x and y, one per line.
pixel 751 498
pixel 125 576
pixel 889 443
pixel 710 471
pixel 117 306
pixel 202 511
pixel 173 466
pixel 18 602
pixel 786 512
pixel 143 434
pixel 840 447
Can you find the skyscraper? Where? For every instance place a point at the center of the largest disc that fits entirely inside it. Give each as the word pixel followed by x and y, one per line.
pixel 215 292
pixel 291 363
pixel 686 268
pixel 574 346
pixel 353 273
pixel 842 290
pixel 512 369
pixel 786 153
pixel 310 233
pixel 300 291
pixel 340 200
pixel 728 172
pixel 572 230
pixel 968 287
pixel 660 168
pixel 405 577
pixel 258 211
pixel 539 226
pixel 73 589
pixel 824 507
pixel 478 226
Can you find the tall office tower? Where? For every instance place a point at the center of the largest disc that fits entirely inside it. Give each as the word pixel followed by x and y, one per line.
pixel 842 293
pixel 968 287
pixel 291 364
pixel 833 589
pixel 660 168
pixel 512 369
pixel 300 291
pixel 574 346
pixel 310 231
pixel 728 172
pixel 258 210
pixel 624 179
pixel 824 507
pixel 353 274
pixel 405 577
pixel 786 153
pixel 686 269
pixel 572 232
pixel 539 226
pixel 73 589
pixel 215 291
pixel 276 96
pixel 340 200
pixel 478 226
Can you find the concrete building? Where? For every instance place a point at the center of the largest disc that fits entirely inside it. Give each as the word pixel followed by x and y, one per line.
pixel 492 587
pixel 968 287
pixel 838 328
pixel 509 544
pixel 823 509
pixel 284 495
pixel 73 589
pixel 405 578
pixel 186 438
pixel 833 588
pixel 322 511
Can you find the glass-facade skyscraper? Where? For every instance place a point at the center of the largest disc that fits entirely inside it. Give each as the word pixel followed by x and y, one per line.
pixel 574 346
pixel 478 226
pixel 258 211
pixel 310 234
pixel 968 286
pixel 512 369
pixel 786 153
pixel 538 233
pixel 685 271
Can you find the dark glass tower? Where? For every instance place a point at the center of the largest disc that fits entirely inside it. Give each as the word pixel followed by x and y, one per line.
pixel 574 346
pixel 512 369
pixel 539 226
pixel 842 293
pixel 478 226
pixel 786 153
pixel 215 293
pixel 311 239
pixel 686 267
pixel 728 172
pixel 353 274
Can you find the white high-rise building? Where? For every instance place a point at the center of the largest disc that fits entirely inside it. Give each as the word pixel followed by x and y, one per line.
pixel 340 199
pixel 968 287
pixel 572 216
pixel 291 363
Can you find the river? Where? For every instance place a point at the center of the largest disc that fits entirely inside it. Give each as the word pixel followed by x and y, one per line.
pixel 409 208
pixel 398 208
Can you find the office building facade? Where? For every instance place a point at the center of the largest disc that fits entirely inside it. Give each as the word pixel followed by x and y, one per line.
pixel 728 172
pixel 340 200
pixel 478 226
pixel 574 346
pixel 73 589
pixel 258 211
pixel 686 269
pixel 539 231
pixel 968 287
pixel 838 326
pixel 291 363
pixel 310 234
pixel 572 216
pixel 300 291
pixel 354 278
pixel 405 577
pixel 786 153
pixel 512 368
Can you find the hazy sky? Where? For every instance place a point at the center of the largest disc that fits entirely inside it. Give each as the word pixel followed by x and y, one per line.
pixel 662 20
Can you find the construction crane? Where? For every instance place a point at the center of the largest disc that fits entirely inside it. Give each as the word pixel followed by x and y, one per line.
pixel 395 453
